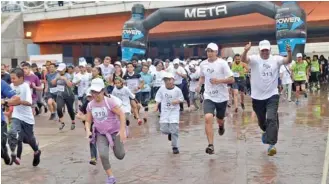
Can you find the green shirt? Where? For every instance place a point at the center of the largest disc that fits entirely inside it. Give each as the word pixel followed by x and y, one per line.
pixel 299 70
pixel 238 70
pixel 315 66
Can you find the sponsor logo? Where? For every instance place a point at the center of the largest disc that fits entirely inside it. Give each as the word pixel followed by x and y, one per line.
pixel 205 12
pixel 293 22
pixel 132 34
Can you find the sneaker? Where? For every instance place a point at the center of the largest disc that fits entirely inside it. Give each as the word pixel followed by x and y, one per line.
pixel 15 160
pixel 242 106
pixel 72 126
pixel 169 137
pixel 297 102
pixel 139 122
pixel 111 180
pixel 175 150
pixel 127 122
pixel 5 157
pixel 36 158
pixel 305 95
pixel 61 126
pixel 145 120
pixel 52 116
pixel 221 130
pixel 263 138
pixel 236 110
pixel 46 109
pixel 210 149
pixel 271 150
pixel 93 161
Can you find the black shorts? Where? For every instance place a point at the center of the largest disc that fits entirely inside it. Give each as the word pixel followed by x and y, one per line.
pixel 50 96
pixel 239 84
pixel 209 107
pixel 143 98
pixel 299 83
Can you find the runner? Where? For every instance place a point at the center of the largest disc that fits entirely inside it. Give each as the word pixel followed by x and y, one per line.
pixel 194 76
pixel 109 126
pixel 264 92
pixel 9 98
pixel 299 73
pixel 170 96
pixel 144 95
pixel 65 95
pixel 286 78
pixel 22 121
pixel 179 74
pixel 82 81
pixel 239 69
pixel 316 71
pixel 134 83
pixel 51 90
pixel 215 73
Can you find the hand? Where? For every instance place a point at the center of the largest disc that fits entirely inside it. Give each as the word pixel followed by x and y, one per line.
pixel 123 136
pixel 175 102
pixel 178 73
pixel 247 47
pixel 288 48
pixel 33 85
pixel 214 81
pixel 88 133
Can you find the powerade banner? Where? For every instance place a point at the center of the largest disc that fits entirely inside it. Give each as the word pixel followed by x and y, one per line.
pixel 290 23
pixel 291 28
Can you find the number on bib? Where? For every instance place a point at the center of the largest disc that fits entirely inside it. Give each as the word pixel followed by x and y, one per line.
pixel 60 88
pixel 99 113
pixel 302 73
pixel 236 74
pixel 53 90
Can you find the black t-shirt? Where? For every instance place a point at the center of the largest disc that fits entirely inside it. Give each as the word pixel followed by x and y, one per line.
pixel 83 108
pixel 38 74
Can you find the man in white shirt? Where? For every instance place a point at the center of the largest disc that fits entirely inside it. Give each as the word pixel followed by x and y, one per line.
pixel 82 80
pixel 215 74
pixel 179 74
pixel 107 68
pixel 286 80
pixel 264 92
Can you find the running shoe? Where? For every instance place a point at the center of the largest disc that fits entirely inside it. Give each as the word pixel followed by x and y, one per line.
pixel 5 157
pixel 305 95
pixel 127 122
pixel 36 158
pixel 169 137
pixel 15 160
pixel 52 116
pixel 263 138
pixel 61 126
pixel 175 150
pixel 111 180
pixel 72 126
pixel 242 106
pixel 93 161
pixel 46 109
pixel 145 120
pixel 210 149
pixel 297 102
pixel 236 110
pixel 221 129
pixel 271 150
pixel 139 122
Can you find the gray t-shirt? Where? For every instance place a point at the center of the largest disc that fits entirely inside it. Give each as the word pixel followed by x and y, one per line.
pixel 51 88
pixel 62 88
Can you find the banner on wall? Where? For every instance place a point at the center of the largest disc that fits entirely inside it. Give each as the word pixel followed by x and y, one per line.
pixel 41 59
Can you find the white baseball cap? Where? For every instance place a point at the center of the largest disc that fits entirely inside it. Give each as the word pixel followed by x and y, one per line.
pixel 229 60
pixel 97 85
pixel 139 61
pixel 149 60
pixel 83 64
pixel 143 61
pixel 168 75
pixel 265 44
pixel 212 46
pixel 191 66
pixel 299 55
pixel 176 61
pixel 61 67
pixel 118 63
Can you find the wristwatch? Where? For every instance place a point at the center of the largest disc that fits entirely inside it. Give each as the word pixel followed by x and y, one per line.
pixel 6 103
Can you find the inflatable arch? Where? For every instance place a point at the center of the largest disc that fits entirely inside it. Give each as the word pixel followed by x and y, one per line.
pixel 290 23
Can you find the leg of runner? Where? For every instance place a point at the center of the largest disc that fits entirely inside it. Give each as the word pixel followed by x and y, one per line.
pixel 193 100
pixel 297 84
pixel 4 150
pixel 51 106
pixel 134 107
pixel 289 88
pixel 235 99
pixel 103 149
pixel 69 104
pixel 172 130
pixel 60 104
pixel 303 89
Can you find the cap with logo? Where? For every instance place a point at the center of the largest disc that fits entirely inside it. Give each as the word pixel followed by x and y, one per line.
pixel 61 67
pixel 265 44
pixel 212 46
pixel 97 85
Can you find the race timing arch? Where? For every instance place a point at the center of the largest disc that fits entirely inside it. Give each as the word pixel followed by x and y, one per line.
pixel 290 23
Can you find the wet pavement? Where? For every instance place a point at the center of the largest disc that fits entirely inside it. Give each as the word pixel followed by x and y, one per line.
pixel 240 157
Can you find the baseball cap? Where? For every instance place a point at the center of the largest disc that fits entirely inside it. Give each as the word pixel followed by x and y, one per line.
pixel 118 63
pixel 143 61
pixel 229 60
pixel 299 55
pixel 97 85
pixel 168 75
pixel 212 46
pixel 61 67
pixel 265 44
pixel 149 60
pixel 191 66
pixel 176 61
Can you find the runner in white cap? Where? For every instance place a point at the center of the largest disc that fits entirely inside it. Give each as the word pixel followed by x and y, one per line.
pixel 215 74
pixel 299 72
pixel 264 92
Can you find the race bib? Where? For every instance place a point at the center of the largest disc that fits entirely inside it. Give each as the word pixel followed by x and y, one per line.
pixel 236 74
pixel 99 113
pixel 302 73
pixel 132 85
pixel 53 90
pixel 213 93
pixel 266 73
pixel 60 88
pixel 313 68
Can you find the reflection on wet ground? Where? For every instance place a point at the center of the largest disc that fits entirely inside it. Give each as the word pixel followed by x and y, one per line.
pixel 239 157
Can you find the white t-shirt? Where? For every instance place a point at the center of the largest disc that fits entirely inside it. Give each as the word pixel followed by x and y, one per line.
pixel 169 112
pixel 264 76
pixel 178 78
pixel 152 69
pixel 194 82
pixel 23 112
pixel 158 78
pixel 124 94
pixel 84 82
pixel 107 71
pixel 218 69
pixel 286 77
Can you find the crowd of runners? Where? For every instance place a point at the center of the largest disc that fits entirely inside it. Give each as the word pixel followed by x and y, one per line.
pixel 107 96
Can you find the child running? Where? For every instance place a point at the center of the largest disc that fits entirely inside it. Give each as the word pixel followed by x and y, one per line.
pixel 124 94
pixel 109 126
pixel 170 97
pixel 22 121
